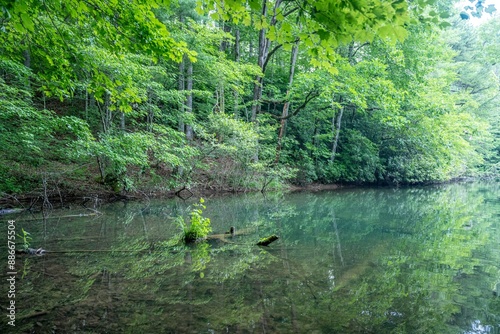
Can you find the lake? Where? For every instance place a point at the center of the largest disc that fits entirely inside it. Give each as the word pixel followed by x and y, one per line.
pixel 365 260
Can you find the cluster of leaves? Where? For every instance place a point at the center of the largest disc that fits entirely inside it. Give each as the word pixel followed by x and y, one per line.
pixel 198 227
pixel 25 238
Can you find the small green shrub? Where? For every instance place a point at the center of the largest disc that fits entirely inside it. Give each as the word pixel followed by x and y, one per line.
pixel 199 226
pixel 25 239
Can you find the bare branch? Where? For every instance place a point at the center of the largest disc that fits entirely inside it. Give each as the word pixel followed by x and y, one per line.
pixel 309 97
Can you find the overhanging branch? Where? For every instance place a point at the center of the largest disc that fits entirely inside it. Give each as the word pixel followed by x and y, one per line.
pixel 309 97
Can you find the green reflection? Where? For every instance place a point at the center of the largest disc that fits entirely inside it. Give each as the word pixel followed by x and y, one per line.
pixel 417 260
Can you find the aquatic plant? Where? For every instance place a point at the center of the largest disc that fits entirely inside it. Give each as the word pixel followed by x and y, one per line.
pixel 25 239
pixel 199 227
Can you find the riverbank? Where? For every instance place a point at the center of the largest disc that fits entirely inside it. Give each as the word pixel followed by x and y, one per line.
pixel 94 195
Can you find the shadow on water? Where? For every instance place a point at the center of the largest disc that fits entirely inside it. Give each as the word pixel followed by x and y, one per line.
pixel 416 260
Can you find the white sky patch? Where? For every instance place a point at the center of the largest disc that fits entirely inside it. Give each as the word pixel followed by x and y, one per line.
pixel 475 21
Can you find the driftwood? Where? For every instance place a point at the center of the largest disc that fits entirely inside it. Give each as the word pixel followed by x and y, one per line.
pixel 10 211
pixel 268 240
pixel 232 233
pixel 229 234
pixel 31 251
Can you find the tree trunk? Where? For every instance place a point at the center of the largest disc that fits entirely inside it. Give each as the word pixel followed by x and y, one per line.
pixel 221 103
pixel 237 60
pixel 336 131
pixel 257 88
pixel 151 112
pixel 106 113
pixel 224 43
pixel 293 61
pixel 181 86
pixel 27 58
pixel 263 58
pixel 122 121
pixel 27 63
pixel 86 105
pixel 189 98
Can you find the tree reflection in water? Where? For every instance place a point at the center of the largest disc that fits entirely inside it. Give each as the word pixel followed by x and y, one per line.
pixel 416 260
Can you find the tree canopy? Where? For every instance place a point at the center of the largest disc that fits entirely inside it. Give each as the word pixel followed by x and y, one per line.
pixel 156 96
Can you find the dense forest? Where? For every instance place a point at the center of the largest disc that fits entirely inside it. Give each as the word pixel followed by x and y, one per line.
pixel 151 97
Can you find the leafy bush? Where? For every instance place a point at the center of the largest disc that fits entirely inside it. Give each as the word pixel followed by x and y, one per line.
pixel 199 226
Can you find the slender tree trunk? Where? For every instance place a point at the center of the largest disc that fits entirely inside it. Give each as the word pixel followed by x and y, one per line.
pixel 151 113
pixel 257 88
pixel 27 63
pixel 122 121
pixel 237 60
pixel 237 54
pixel 102 171
pixel 336 130
pixel 263 58
pixel 339 245
pixel 106 113
pixel 181 86
pixel 189 97
pixel 284 115
pixel 223 47
pixel 222 99
pixel 27 58
pixel 86 105
pixel 224 43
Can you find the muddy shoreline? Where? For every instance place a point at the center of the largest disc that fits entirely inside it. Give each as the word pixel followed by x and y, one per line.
pixel 36 201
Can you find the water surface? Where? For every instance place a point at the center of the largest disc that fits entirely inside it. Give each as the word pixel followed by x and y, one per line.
pixel 410 260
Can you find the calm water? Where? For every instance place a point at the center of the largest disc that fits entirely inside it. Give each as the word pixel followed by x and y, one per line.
pixel 417 260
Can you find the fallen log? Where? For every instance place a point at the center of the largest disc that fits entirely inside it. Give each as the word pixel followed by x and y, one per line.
pixel 65 216
pixel 10 211
pixel 268 240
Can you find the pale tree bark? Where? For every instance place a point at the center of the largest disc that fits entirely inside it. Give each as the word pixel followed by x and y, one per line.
pixel 27 63
pixel 106 122
pixel 181 86
pixel 337 122
pixel 189 97
pixel 336 130
pixel 27 58
pixel 237 60
pixel 264 53
pixel 237 53
pixel 122 121
pixel 106 113
pixel 185 84
pixel 293 62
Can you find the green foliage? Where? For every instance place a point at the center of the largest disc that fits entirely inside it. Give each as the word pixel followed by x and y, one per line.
pixel 25 239
pixel 361 160
pixel 198 227
pixel 378 94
